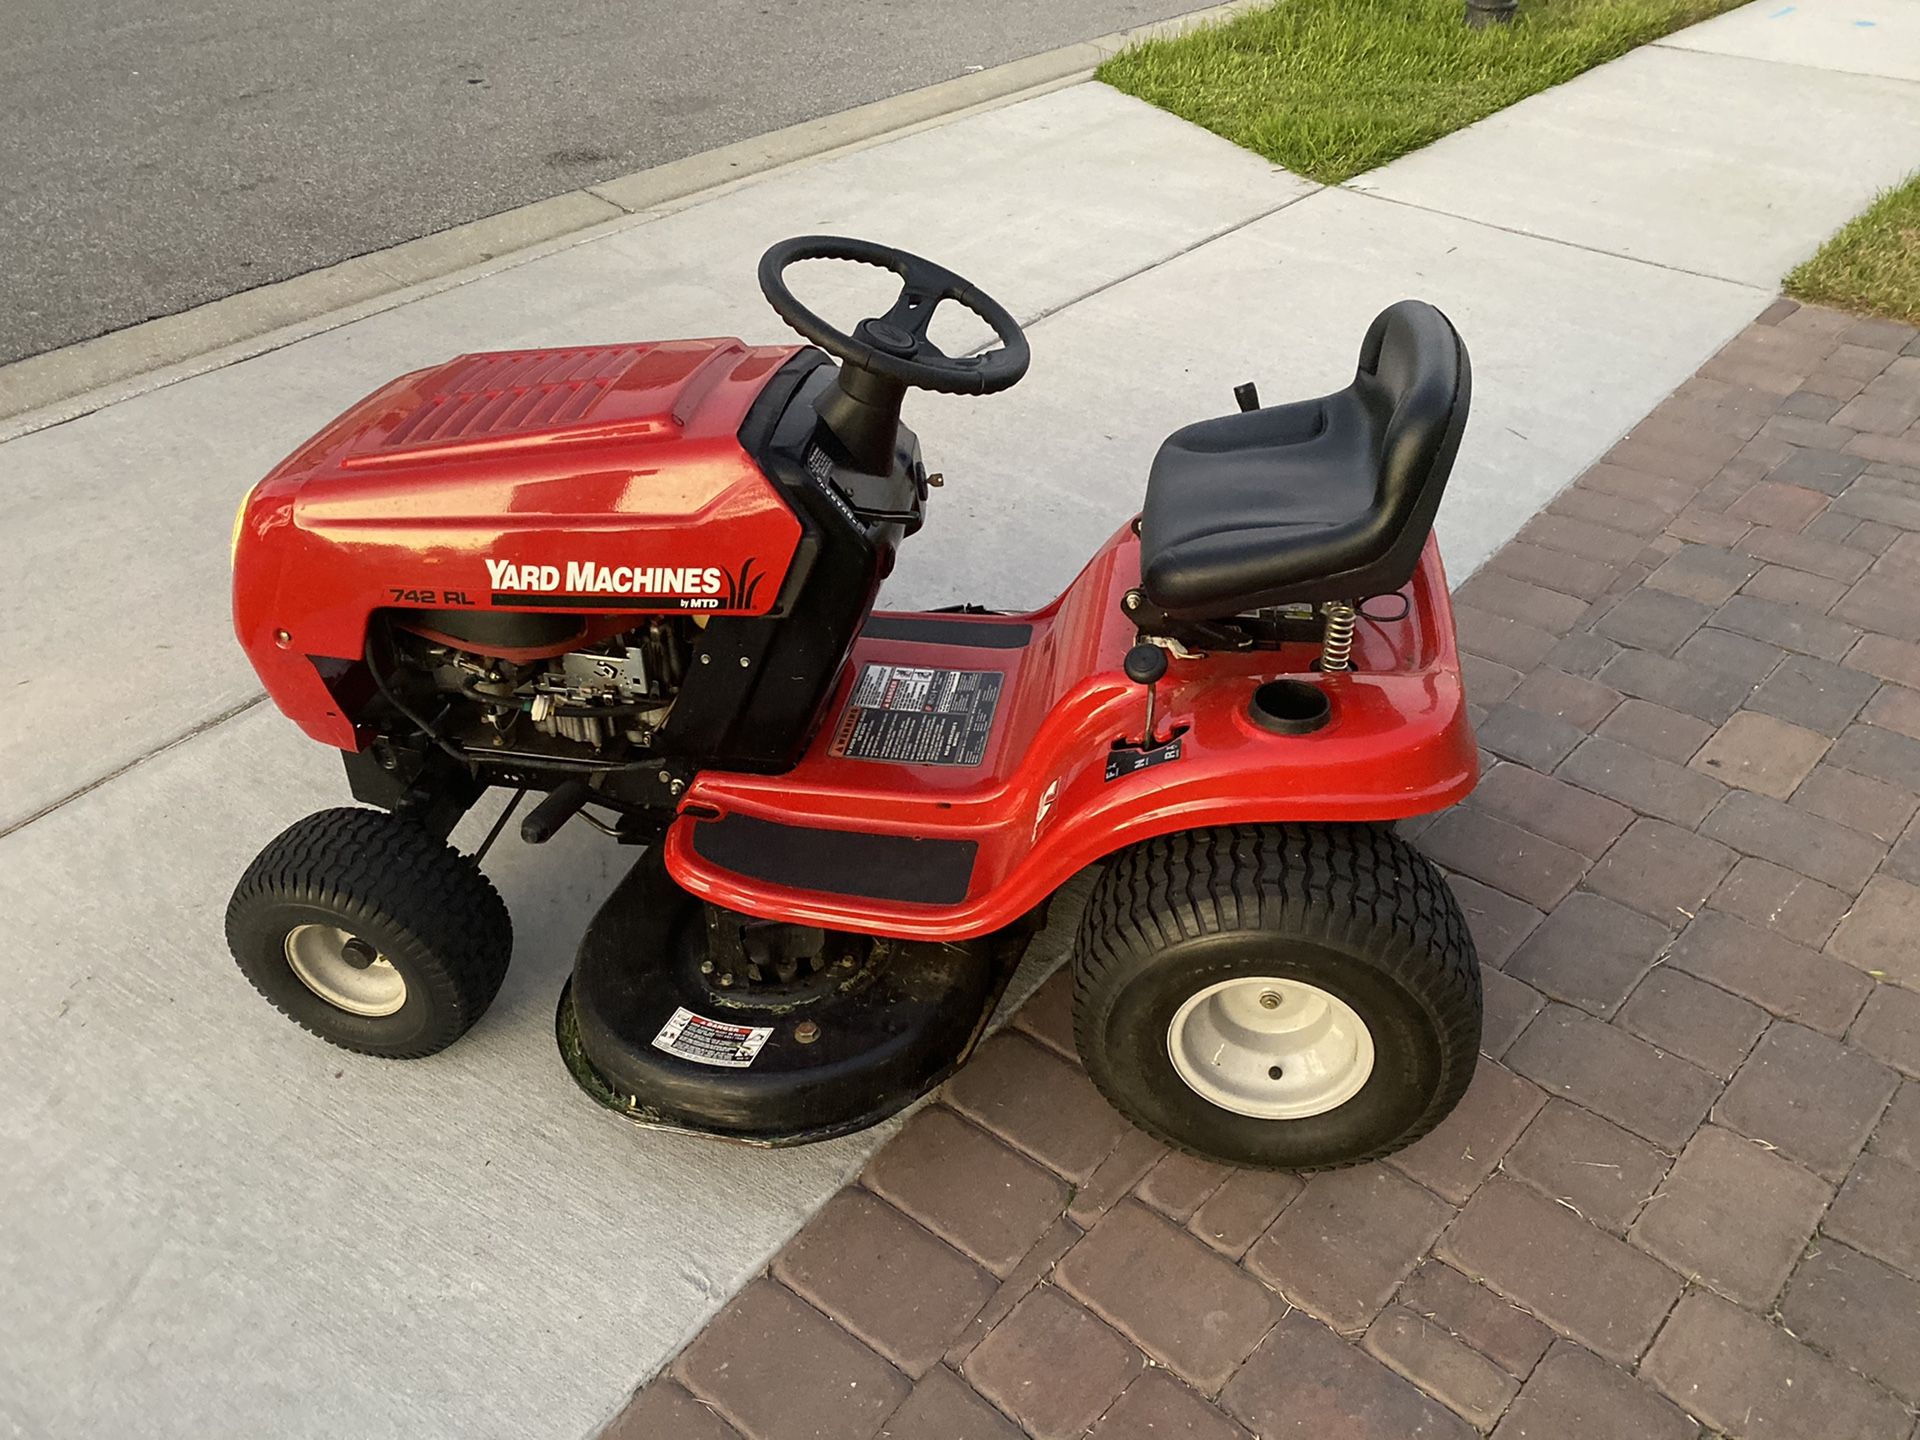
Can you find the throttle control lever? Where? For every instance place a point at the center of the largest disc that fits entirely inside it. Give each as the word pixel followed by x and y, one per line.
pixel 1147 665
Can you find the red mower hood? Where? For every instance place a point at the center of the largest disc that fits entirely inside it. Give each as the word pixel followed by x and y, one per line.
pixel 608 478
pixel 544 409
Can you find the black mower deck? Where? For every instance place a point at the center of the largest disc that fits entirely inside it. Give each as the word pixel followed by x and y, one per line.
pixel 648 1030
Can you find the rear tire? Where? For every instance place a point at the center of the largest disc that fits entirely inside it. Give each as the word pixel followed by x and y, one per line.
pixel 1335 951
pixel 371 933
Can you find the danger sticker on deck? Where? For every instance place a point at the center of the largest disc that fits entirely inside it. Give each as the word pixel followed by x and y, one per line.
pixel 909 715
pixel 711 1042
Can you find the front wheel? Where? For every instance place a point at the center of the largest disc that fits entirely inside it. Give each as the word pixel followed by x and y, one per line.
pixel 371 933
pixel 1291 997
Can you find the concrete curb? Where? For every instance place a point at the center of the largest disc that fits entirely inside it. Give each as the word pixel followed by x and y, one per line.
pixel 60 385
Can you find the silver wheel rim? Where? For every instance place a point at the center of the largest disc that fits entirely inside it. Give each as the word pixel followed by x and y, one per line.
pixel 318 955
pixel 1270 1048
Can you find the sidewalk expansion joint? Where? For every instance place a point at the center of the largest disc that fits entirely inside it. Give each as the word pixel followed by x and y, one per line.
pixel 1209 238
pixel 1769 291
pixel 1665 43
pixel 233 712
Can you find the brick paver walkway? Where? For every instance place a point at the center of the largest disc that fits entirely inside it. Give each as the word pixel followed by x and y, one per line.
pixel 1683 1193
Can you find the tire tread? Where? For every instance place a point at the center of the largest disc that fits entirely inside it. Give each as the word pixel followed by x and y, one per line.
pixel 378 868
pixel 1360 887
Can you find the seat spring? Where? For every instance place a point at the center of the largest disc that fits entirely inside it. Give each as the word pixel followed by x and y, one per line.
pixel 1336 649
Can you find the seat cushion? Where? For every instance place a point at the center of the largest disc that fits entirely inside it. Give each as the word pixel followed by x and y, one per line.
pixel 1327 499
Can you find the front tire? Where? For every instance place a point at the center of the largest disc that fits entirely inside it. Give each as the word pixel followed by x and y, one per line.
pixel 371 933
pixel 1288 997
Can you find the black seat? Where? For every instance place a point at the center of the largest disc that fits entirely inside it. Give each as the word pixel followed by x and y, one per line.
pixel 1328 499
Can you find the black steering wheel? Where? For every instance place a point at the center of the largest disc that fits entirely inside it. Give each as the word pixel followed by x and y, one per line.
pixel 895 346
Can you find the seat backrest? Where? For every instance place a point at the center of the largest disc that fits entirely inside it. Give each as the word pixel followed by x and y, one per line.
pixel 1414 376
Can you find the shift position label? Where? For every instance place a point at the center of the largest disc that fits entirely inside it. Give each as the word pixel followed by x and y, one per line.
pixel 909 715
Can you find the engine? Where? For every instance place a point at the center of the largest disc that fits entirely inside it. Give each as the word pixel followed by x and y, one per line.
pixel 620 689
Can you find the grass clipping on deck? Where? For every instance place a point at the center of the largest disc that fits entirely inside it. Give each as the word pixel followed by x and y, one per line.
pixel 1873 264
pixel 1330 88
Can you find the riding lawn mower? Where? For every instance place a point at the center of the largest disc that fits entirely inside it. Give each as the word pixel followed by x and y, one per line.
pixel 638 582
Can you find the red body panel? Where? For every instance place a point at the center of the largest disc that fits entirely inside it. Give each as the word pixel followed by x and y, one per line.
pixel 1039 804
pixel 609 482
pixel 595 480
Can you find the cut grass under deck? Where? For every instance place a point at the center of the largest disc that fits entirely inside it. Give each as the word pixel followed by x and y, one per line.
pixel 1329 88
pixel 1873 264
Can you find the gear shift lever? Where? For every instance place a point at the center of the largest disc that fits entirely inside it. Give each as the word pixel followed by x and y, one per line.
pixel 1147 665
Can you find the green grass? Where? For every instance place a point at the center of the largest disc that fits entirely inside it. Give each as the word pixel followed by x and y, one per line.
pixel 1873 264
pixel 1329 88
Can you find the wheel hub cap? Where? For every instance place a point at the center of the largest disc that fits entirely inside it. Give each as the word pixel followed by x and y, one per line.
pixel 1270 1048
pixel 331 963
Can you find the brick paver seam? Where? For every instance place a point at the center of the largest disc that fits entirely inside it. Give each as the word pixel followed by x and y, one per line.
pixel 1773 1313
pixel 1630 577
pixel 1692 1282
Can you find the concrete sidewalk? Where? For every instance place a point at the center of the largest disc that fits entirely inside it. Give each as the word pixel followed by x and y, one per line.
pixel 211 1224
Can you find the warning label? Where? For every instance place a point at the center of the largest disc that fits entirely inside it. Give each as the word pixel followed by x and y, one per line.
pixel 711 1042
pixel 914 716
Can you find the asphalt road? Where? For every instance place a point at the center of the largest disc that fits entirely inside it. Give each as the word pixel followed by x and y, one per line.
pixel 157 154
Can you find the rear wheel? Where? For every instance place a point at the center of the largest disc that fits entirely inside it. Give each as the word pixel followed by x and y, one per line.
pixel 1285 997
pixel 371 933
